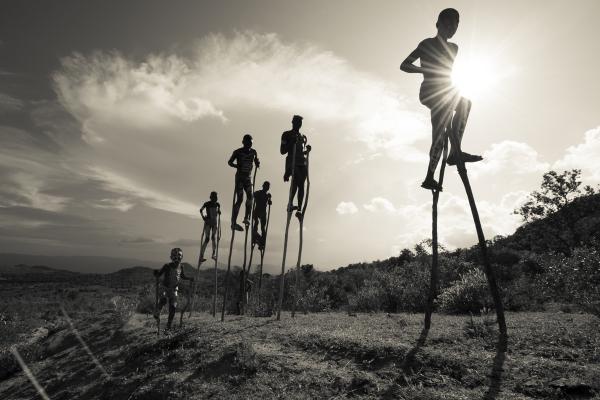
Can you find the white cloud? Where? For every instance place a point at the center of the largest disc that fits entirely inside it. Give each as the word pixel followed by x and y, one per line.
pixel 9 103
pixel 247 69
pixel 509 157
pixel 152 198
pixel 584 156
pixel 109 87
pixel 120 204
pixel 455 221
pixel 346 207
pixel 380 204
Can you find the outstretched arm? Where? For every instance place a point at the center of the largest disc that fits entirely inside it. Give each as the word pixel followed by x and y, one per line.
pixel 408 66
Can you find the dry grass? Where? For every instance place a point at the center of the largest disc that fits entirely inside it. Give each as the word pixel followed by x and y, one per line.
pixel 550 355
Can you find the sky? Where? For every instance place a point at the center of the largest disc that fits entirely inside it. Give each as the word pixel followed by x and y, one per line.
pixel 117 120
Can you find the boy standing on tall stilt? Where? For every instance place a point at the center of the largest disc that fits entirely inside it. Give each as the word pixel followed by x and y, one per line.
pixel 448 108
pixel 243 159
pixel 262 198
pixel 213 209
pixel 288 140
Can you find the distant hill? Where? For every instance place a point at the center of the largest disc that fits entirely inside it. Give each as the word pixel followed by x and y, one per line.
pixel 576 223
pixel 82 264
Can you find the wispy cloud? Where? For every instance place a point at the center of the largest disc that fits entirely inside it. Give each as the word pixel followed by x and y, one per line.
pixel 346 207
pixel 152 198
pixel 246 69
pixel 9 103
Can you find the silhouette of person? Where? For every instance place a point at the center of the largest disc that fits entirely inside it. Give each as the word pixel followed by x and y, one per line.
pixel 448 109
pixel 213 210
pixel 299 170
pixel 262 198
pixel 242 159
pixel 173 273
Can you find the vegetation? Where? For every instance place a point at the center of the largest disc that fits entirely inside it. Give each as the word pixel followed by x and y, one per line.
pixel 324 355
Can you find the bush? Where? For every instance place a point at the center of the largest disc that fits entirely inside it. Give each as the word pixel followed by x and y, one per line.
pixel 314 299
pixel 576 278
pixel 123 308
pixel 369 298
pixel 145 305
pixel 482 326
pixel 470 293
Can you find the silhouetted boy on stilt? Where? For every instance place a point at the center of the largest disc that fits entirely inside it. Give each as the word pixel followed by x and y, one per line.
pixel 213 209
pixel 262 198
pixel 172 272
pixel 288 139
pixel 244 157
pixel 448 109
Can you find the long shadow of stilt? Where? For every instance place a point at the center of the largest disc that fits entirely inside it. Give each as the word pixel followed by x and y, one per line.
pixel 412 353
pixel 497 368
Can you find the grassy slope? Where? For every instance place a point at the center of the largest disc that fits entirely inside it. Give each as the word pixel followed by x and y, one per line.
pixel 315 356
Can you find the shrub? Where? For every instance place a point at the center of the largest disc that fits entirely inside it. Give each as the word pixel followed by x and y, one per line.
pixel 145 305
pixel 482 326
pixel 314 299
pixel 470 293
pixel 576 278
pixel 123 308
pixel 368 298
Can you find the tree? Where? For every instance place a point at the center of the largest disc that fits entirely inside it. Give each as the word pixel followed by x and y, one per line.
pixel 556 191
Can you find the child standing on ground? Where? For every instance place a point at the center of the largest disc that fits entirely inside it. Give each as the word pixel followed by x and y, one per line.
pixel 448 109
pixel 173 273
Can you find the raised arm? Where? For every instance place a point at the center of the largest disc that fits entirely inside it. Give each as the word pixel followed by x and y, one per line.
pixel 408 63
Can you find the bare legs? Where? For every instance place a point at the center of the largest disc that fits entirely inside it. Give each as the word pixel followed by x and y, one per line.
pixel 451 120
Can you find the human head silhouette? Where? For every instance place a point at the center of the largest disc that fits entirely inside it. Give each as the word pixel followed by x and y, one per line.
pixel 176 255
pixel 447 22
pixel 247 141
pixel 296 122
pixel 266 186
pixel 213 196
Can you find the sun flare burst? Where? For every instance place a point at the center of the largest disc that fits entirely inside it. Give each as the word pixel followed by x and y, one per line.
pixel 475 77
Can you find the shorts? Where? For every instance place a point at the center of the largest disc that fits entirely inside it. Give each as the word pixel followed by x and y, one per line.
pixel 243 182
pixel 437 98
pixel 169 294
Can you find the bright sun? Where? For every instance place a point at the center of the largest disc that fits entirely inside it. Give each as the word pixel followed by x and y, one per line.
pixel 475 77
